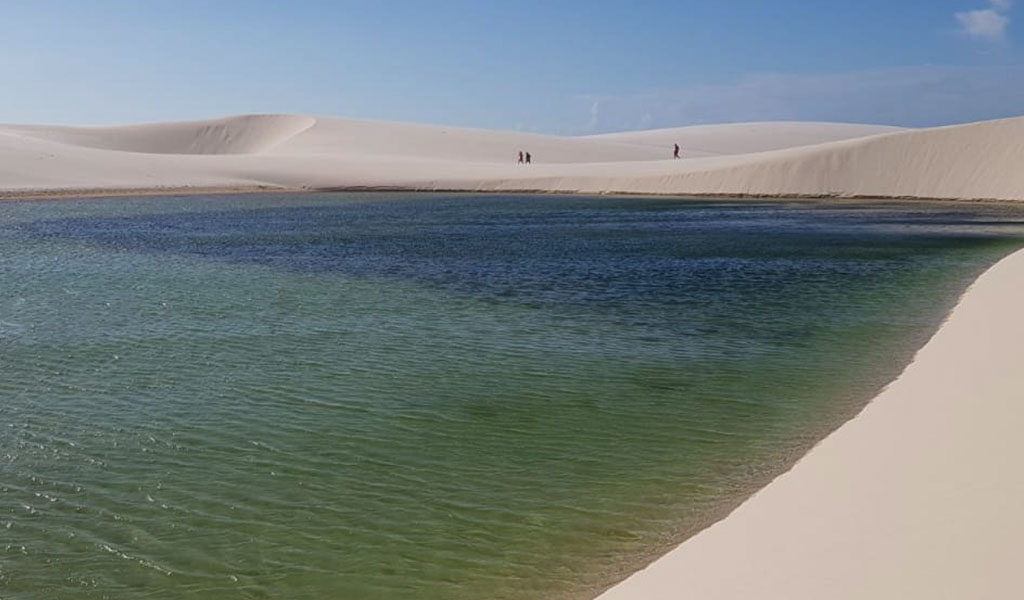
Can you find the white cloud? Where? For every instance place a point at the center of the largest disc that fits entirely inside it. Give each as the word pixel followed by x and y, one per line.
pixel 987 24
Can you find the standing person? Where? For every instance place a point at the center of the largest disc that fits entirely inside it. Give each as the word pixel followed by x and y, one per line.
pixel 675 151
pixel 527 158
pixel 520 157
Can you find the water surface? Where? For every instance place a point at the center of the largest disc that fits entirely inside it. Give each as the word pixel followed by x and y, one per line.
pixel 431 397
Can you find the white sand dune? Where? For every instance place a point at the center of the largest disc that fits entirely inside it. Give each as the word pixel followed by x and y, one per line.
pixel 745 138
pixel 404 141
pixel 232 135
pixel 976 161
pixel 919 497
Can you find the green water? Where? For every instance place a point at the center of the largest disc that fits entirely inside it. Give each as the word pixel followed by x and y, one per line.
pixel 431 397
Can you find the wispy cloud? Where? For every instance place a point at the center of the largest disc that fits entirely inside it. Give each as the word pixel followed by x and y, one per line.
pixel 595 112
pixel 987 23
pixel 984 24
pixel 911 96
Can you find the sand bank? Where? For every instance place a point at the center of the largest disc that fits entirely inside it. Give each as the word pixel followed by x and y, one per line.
pixel 920 496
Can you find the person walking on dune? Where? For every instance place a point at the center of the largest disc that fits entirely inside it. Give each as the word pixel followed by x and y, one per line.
pixel 527 158
pixel 675 151
pixel 520 157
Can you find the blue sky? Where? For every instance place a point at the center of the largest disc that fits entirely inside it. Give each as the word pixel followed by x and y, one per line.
pixel 559 66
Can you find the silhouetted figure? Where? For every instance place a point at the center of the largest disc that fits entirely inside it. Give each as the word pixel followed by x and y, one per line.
pixel 527 158
pixel 675 151
pixel 520 157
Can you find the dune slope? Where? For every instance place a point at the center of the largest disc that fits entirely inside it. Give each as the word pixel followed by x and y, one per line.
pixel 232 135
pixel 975 161
pixel 979 160
pixel 744 138
pixel 405 141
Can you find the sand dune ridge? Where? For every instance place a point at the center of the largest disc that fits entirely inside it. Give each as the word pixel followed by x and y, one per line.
pixel 973 161
pixel 244 134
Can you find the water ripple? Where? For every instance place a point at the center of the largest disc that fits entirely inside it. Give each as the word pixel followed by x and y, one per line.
pixel 429 397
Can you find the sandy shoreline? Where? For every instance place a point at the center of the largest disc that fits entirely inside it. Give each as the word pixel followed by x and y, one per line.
pixel 917 497
pixel 46 194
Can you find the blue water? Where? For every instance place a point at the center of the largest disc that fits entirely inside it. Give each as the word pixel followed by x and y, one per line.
pixel 432 396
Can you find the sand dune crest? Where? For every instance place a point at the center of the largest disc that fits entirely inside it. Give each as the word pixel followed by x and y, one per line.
pixel 246 134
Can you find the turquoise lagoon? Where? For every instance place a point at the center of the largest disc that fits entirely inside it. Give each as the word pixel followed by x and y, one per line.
pixel 432 396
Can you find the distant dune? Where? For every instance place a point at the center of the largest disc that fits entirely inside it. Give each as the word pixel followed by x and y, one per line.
pixel 745 138
pixel 248 134
pixel 976 161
